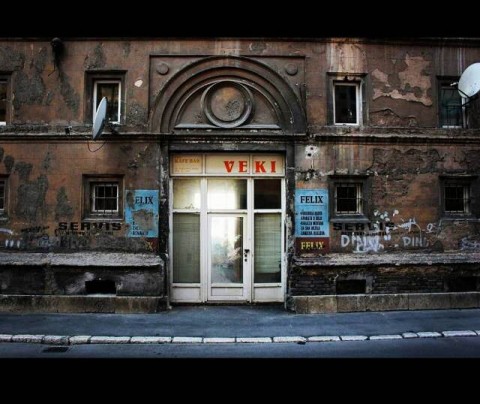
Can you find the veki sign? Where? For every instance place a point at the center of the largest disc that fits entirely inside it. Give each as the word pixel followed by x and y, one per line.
pixel 228 164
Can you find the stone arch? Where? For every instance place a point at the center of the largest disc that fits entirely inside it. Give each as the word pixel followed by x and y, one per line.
pixel 249 86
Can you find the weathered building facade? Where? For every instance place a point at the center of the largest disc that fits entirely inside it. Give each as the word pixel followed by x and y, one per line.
pixel 330 174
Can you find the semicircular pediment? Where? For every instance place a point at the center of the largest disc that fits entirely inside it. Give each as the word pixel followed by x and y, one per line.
pixel 227 94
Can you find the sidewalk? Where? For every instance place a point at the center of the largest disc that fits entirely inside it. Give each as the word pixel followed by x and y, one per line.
pixel 235 324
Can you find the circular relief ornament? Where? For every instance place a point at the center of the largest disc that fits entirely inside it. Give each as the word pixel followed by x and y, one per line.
pixel 227 104
pixel 291 69
pixel 162 68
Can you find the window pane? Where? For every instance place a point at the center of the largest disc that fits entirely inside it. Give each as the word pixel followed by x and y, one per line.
pixel 186 193
pixel 226 237
pixel 345 104
pixel 267 194
pixel 105 197
pixel 2 195
pixel 455 198
pixel 268 248
pixel 227 194
pixel 3 100
pixel 348 198
pixel 111 91
pixel 451 107
pixel 186 248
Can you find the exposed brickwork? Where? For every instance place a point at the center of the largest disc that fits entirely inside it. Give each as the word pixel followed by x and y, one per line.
pixel 385 279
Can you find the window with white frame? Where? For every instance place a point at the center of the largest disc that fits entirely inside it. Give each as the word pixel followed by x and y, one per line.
pixel 450 104
pixel 112 89
pixel 103 197
pixel 346 103
pixel 3 196
pixel 3 101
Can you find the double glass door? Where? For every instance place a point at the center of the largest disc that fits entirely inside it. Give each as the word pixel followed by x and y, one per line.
pixel 227 240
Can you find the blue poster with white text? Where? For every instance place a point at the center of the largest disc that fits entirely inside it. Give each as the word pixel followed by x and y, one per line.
pixel 311 213
pixel 141 212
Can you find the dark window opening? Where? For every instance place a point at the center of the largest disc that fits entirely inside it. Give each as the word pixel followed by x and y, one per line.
pixel 105 197
pixel 456 198
pixel 348 198
pixel 462 284
pixel 451 112
pixel 110 90
pixel 346 104
pixel 351 286
pixel 3 188
pixel 3 101
pixel 267 194
pixel 100 286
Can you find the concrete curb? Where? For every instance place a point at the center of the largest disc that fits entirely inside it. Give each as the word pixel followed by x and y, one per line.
pixel 102 339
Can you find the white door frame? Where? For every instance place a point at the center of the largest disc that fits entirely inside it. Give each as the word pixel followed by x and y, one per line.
pixel 201 292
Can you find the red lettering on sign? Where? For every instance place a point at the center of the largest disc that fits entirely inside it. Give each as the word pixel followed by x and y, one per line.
pixel 259 167
pixel 242 166
pixel 272 165
pixel 229 165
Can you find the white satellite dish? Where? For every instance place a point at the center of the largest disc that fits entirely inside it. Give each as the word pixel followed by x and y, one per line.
pixel 99 119
pixel 469 83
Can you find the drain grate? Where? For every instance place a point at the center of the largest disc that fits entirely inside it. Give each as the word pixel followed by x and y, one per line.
pixel 55 349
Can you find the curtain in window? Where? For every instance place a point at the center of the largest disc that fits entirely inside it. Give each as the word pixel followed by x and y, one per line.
pixel 267 247
pixel 186 248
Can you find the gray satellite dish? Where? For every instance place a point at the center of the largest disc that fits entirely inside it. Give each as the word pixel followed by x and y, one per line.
pixel 99 119
pixel 469 83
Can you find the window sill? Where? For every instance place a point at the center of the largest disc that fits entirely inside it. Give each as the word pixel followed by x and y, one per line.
pixel 350 219
pixel 102 219
pixel 465 218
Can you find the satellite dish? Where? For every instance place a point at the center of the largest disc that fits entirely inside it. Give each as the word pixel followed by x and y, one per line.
pixel 99 119
pixel 469 83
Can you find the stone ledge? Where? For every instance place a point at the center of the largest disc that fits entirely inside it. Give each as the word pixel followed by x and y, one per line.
pixel 384 302
pixel 83 259
pixel 81 304
pixel 389 259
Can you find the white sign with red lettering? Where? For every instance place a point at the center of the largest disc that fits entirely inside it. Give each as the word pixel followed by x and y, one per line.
pixel 244 165
pixel 229 164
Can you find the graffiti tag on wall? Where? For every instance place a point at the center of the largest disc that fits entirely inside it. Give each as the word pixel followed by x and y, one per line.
pixel 384 231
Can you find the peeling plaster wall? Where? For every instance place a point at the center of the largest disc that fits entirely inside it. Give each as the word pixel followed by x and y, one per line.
pixel 402 199
pixel 45 184
pixel 401 80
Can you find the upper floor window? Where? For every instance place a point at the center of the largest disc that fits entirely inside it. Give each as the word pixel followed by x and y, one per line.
pixel 450 104
pixel 346 104
pixel 109 84
pixel 112 89
pixel 3 101
pixel 346 99
pixel 3 196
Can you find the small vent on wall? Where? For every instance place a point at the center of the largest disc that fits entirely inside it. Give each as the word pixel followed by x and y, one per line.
pixel 351 286
pixel 100 286
pixel 462 284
